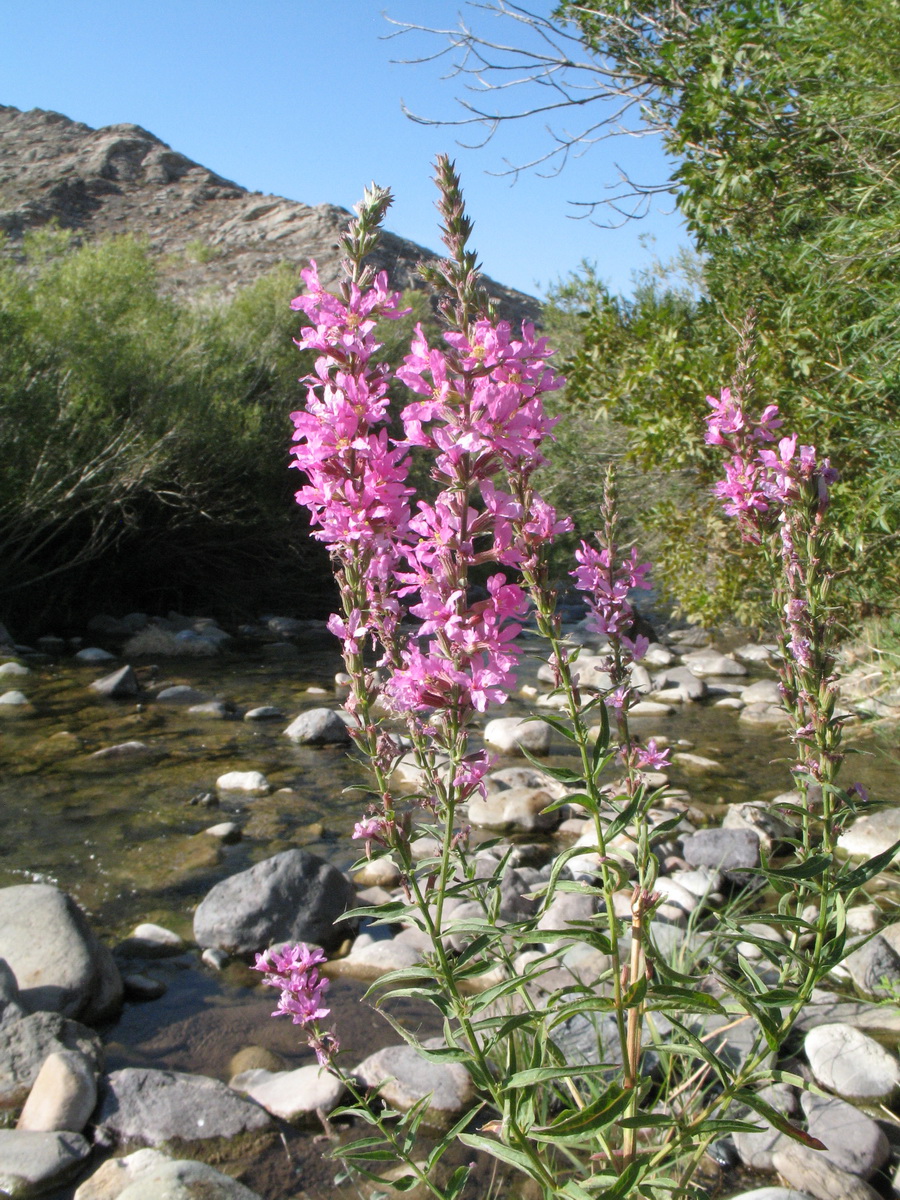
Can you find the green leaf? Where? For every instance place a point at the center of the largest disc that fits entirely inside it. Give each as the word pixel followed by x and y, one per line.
pixel 515 1158
pixel 861 875
pixel 666 997
pixel 557 724
pixel 779 1120
pixel 575 1124
pixel 814 867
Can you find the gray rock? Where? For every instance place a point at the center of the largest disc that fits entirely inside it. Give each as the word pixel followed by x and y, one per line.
pixel 59 964
pixel 13 700
pixel 752 652
pixel 10 1006
pixel 847 1062
pixel 684 683
pixel 63 1096
pixel 150 941
pixel 723 849
pixel 773 1193
pixel 407 1077
pixel 291 1095
pixel 150 1175
pixel 13 670
pixel 93 655
pixel 119 685
pixel 294 896
pixel 810 1171
pixel 265 712
pixel 764 714
pixel 33 1163
pixel 772 830
pixel 180 693
pixel 872 833
pixel 764 691
pixel 854 1142
pixel 875 969
pixel 695 762
pixel 707 663
pixel 152 1107
pixel 515 809
pixel 143 987
pixel 318 727
pixel 371 961
pixel 254 783
pixel 755 1149
pixel 26 1043
pixel 215 710
pixel 123 750
pixel 510 735
pixel 227 832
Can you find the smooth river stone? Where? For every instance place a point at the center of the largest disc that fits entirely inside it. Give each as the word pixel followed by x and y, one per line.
pixel 871 834
pixel 32 1163
pixel 516 809
pixel 855 1142
pixel 510 735
pixel 851 1064
pixel 407 1077
pixel 291 1095
pixel 254 783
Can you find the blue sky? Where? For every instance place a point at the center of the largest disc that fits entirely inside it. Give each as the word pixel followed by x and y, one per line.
pixel 300 98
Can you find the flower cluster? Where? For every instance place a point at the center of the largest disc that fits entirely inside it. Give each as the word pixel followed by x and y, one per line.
pixel 606 585
pixel 295 971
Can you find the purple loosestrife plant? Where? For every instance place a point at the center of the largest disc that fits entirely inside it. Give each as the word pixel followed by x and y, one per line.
pixel 580 1125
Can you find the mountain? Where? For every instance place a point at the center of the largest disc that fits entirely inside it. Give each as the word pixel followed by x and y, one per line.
pixel 211 234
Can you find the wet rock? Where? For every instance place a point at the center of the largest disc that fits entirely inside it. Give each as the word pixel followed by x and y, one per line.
pixel 143 987
pixel 707 663
pixel 216 960
pixel 515 809
pixel 227 832
pixel 294 896
pixel 33 1163
pixel 119 685
pixel 63 1095
pixel 26 1043
pixel 407 1077
pixel 180 693
pixel 255 1058
pixel 254 783
pixel 874 968
pixel 855 1066
pixel 854 1142
pixel 510 735
pixel 13 670
pixel 122 750
pixel 94 655
pixel 265 712
pixel 152 1107
pixel 291 1095
pixel 722 849
pixel 151 1175
pixel 215 710
pixel 872 833
pixel 810 1171
pixel 318 727
pixel 59 964
pixel 150 941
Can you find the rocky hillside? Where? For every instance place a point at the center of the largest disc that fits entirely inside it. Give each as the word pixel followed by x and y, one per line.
pixel 211 233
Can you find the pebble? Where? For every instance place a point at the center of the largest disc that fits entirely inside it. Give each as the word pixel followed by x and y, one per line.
pixel 216 960
pixel 855 1066
pixel 150 941
pixel 215 709
pixel 874 968
pixel 378 872
pixel 764 714
pixel 764 691
pixel 811 1171
pixel 708 663
pixel 14 699
pixel 695 762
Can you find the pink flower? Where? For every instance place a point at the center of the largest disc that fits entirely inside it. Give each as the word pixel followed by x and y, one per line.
pixel 294 971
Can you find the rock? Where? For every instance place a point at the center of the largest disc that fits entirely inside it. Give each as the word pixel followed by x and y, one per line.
pixel 150 941
pixel 755 1149
pixel 516 809
pixel 847 1062
pixel 657 655
pixel 119 685
pixel 526 777
pixel 318 727
pixel 227 832
pixel 255 1058
pixel 695 762
pixel 723 849
pixel 291 1095
pixel 755 653
pixel 58 962
pixel 63 1096
pixel 702 882
pixel 143 987
pixel 769 1193
pixel 564 908
pixel 854 1142
pixel 684 684
pixel 151 1175
pixel 764 714
pixel 407 1077
pixel 650 708
pixel 707 662
pixel 123 750
pixel 12 701
pixel 252 782
pixel 33 1163
pixel 216 960
pixel 863 919
pixel 764 691
pixel 180 693
pixel 294 896
pixel 378 872
pixel 872 833
pixel 10 1007
pixel 510 735
pixel 811 1171
pixel 875 969
pixel 13 670
pixel 371 961
pixel 213 709
pixel 265 712
pixel 761 819
pixel 27 1042
pixel 152 1107
pixel 93 655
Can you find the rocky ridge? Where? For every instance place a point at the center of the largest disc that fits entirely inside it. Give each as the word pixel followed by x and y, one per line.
pixel 210 233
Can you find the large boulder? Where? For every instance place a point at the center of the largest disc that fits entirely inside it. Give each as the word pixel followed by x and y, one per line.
pixel 292 897
pixel 59 964
pixel 152 1107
